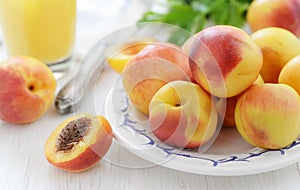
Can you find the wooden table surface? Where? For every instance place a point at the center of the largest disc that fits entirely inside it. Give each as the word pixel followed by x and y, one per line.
pixel 23 164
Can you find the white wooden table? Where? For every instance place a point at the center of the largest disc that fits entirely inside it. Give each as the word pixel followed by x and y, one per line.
pixel 23 164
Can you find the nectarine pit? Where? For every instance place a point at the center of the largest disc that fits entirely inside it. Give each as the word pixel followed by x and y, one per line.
pixel 73 133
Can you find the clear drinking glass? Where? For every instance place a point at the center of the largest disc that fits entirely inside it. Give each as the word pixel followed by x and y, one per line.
pixel 44 29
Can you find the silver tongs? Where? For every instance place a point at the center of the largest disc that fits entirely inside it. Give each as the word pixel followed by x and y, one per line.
pixel 70 96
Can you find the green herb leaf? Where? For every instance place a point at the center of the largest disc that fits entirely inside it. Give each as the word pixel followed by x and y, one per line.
pixel 194 15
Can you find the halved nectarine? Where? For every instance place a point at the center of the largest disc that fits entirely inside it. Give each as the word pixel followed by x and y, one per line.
pixel 79 142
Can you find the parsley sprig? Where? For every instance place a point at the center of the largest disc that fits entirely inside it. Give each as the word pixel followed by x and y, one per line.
pixel 194 15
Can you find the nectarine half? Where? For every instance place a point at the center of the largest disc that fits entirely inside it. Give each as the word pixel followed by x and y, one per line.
pixel 79 142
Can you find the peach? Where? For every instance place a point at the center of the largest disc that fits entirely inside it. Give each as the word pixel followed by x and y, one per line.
pixel 278 46
pixel 182 114
pixel 154 66
pixel 224 60
pixel 274 13
pixel 290 74
pixel 267 115
pixel 118 56
pixel 79 142
pixel 27 89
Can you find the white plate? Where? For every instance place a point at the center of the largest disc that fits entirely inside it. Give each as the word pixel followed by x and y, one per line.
pixel 229 155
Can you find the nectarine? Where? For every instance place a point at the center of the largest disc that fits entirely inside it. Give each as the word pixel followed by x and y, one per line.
pixel 182 114
pixel 79 142
pixel 278 47
pixel 27 89
pixel 274 13
pixel 117 57
pixel 267 115
pixel 224 60
pixel 153 67
pixel 290 74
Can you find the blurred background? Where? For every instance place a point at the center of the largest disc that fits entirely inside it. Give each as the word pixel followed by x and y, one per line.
pixel 97 18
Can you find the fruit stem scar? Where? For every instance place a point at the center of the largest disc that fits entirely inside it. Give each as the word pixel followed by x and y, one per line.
pixel 72 134
pixel 31 87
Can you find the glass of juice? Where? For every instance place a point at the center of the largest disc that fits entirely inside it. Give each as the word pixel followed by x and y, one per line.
pixel 44 29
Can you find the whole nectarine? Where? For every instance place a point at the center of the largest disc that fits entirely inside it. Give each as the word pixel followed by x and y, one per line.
pixel 182 114
pixel 267 115
pixel 290 74
pixel 278 47
pixel 153 67
pixel 118 56
pixel 224 60
pixel 274 13
pixel 27 89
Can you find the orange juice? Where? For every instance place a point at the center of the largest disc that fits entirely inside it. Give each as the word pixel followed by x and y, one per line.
pixel 44 29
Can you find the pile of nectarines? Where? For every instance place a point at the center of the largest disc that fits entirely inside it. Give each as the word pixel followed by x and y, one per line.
pixel 184 90
pixel 221 76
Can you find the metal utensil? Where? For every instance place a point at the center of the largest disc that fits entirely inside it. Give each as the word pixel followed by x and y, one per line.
pixel 69 97
pixel 72 93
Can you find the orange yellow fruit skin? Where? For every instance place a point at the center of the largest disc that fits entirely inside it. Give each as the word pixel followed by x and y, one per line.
pixel 229 112
pixel 82 163
pixel 88 156
pixel 182 114
pixel 230 104
pixel 278 47
pixel 274 13
pixel 27 89
pixel 290 74
pixel 224 60
pixel 267 116
pixel 118 57
pixel 153 67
